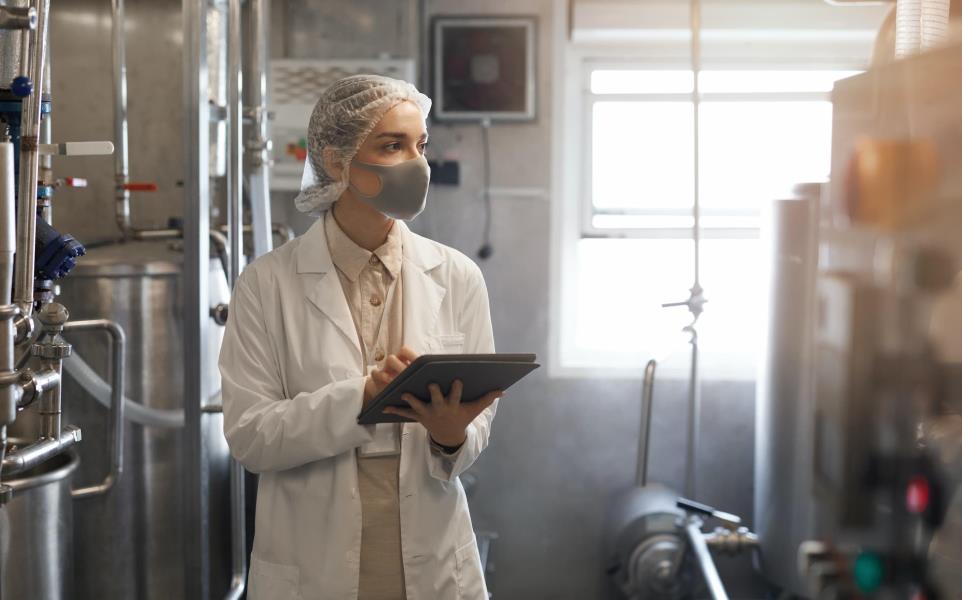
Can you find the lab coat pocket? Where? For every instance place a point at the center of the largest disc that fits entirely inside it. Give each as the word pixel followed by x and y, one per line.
pixel 451 343
pixel 271 581
pixel 470 578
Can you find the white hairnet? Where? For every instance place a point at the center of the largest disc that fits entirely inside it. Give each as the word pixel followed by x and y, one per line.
pixel 343 117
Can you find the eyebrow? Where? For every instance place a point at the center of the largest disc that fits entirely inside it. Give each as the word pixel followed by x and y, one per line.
pixel 398 135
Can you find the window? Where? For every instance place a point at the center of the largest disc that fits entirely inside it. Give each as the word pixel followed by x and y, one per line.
pixel 760 133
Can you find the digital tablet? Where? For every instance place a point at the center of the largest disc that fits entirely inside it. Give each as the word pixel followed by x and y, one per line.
pixel 479 374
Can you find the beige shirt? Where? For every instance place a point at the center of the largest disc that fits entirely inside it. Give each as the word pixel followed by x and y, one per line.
pixel 372 286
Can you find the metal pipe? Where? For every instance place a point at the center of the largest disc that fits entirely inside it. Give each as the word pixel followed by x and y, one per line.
pixel 51 349
pixel 121 157
pixel 8 391
pixel 644 436
pixel 46 126
pixel 118 372
pixel 21 459
pixel 29 166
pixel 196 301
pixel 703 557
pixel 235 144
pixel 223 251
pixel 258 145
pixel 13 17
pixel 235 222
pixel 34 384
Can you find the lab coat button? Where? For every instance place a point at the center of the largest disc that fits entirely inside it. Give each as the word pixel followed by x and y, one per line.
pixel 379 355
pixel 375 301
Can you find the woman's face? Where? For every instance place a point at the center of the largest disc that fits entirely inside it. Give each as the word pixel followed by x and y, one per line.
pixel 399 136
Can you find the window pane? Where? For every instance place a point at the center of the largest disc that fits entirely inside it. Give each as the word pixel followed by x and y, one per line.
pixel 641 82
pixel 730 329
pixel 753 152
pixel 617 319
pixel 769 81
pixel 641 154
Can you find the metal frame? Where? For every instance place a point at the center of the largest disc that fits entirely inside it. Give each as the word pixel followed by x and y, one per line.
pixel 197 320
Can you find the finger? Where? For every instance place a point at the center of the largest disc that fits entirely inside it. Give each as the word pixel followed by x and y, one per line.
pixel 402 412
pixel 419 407
pixel 477 407
pixel 437 398
pixel 407 354
pixel 381 378
pixel 454 396
pixel 394 364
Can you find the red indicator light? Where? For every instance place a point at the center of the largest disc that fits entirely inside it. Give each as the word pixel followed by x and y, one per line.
pixel 917 495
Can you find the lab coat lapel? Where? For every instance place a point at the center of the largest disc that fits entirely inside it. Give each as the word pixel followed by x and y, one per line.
pixel 326 293
pixel 422 295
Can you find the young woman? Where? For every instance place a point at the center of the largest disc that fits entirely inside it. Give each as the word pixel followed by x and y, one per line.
pixel 317 328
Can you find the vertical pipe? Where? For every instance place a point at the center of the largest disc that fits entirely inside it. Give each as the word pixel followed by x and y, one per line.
pixel 235 222
pixel 195 300
pixel 118 370
pixel 235 140
pixel 46 125
pixel 644 437
pixel 694 396
pixel 121 157
pixel 8 396
pixel 50 403
pixel 258 145
pixel 29 167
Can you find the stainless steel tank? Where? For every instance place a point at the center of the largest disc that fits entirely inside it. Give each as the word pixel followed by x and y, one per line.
pixel 129 543
pixel 785 407
pixel 35 532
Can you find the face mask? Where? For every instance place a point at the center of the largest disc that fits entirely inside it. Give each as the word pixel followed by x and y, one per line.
pixel 404 188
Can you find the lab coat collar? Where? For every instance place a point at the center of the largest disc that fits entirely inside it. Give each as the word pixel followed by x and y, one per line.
pixel 422 295
pixel 314 256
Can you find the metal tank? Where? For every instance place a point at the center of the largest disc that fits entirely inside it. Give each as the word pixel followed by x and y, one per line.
pixel 35 532
pixel 129 543
pixel 785 409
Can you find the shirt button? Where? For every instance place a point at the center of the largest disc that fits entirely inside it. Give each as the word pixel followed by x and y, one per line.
pixel 379 355
pixel 375 301
pixel 373 260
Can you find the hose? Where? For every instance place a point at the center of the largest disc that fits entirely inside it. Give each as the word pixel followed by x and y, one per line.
pixel 94 385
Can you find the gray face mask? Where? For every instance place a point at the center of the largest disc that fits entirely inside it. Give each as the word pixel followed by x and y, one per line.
pixel 404 187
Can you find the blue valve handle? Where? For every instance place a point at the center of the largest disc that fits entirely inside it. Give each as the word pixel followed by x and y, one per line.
pixel 21 86
pixel 57 253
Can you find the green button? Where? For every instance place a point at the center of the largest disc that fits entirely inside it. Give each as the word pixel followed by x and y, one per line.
pixel 868 572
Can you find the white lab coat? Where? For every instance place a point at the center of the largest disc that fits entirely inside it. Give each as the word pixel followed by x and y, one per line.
pixel 292 387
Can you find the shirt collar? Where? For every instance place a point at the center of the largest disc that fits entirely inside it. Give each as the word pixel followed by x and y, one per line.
pixel 351 259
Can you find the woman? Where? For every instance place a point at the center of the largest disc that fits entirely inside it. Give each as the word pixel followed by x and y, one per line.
pixel 317 328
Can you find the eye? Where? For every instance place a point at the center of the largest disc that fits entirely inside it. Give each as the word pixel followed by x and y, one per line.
pixel 422 146
pixel 393 147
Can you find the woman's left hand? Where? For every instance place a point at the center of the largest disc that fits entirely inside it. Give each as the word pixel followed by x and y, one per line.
pixel 446 419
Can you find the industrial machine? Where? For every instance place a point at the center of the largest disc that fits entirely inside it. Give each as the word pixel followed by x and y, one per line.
pixel 859 426
pixel 115 478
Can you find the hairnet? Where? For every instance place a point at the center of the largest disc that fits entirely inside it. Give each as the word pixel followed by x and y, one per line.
pixel 343 117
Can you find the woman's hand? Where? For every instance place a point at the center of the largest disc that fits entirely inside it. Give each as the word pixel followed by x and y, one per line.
pixel 446 419
pixel 379 378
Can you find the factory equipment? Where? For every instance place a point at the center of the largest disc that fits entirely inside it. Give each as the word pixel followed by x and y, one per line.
pixel 857 480
pixel 654 544
pixel 76 528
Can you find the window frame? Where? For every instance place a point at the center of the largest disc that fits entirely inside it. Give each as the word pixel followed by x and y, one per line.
pixel 588 64
pixel 568 165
